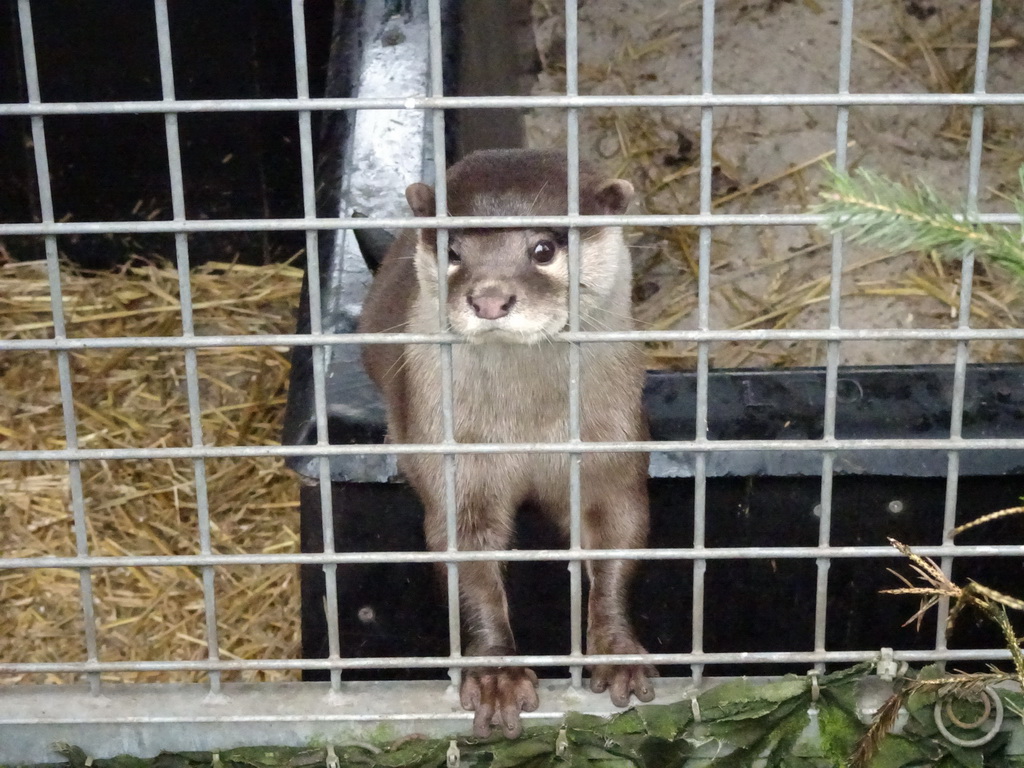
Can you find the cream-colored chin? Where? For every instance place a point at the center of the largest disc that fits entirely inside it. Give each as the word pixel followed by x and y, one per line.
pixel 496 334
pixel 503 332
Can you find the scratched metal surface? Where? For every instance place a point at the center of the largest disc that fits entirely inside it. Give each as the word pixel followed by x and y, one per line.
pixel 384 151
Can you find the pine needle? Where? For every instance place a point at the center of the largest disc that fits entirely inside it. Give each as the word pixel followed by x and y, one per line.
pixel 998 597
pixel 883 722
pixel 870 208
pixel 988 602
pixel 988 518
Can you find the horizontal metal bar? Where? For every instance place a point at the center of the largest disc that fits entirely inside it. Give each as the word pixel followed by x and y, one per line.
pixel 538 660
pixel 516 555
pixel 325 716
pixel 331 339
pixel 512 102
pixel 363 701
pixel 622 446
pixel 145 719
pixel 197 226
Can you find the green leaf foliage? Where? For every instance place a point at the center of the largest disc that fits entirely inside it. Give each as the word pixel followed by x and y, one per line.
pixel 741 724
pixel 898 751
pixel 839 729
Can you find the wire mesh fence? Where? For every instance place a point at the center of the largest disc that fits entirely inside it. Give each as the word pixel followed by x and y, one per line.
pixel 323 340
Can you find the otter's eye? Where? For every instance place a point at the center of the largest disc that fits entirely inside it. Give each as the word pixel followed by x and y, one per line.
pixel 453 258
pixel 543 252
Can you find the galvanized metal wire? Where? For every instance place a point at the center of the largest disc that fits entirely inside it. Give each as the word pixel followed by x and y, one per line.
pixel 319 340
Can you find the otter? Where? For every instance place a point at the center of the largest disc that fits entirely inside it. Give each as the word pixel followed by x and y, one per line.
pixel 507 296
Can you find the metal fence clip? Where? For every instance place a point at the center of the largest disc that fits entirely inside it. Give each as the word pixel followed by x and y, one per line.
pixel 453 758
pixel 815 688
pixel 561 742
pixel 887 667
pixel 332 760
pixel 695 708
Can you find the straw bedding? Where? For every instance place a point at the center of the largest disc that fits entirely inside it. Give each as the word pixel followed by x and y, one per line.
pixel 138 398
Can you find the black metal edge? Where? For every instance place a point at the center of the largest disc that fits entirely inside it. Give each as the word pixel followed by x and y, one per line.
pixel 883 402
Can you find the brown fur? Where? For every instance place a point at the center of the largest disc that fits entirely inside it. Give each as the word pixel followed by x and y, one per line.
pixel 511 385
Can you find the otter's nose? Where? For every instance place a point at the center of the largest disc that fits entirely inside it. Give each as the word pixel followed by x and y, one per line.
pixel 491 303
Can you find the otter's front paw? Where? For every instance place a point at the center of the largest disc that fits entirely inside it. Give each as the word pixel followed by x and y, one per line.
pixel 623 680
pixel 498 695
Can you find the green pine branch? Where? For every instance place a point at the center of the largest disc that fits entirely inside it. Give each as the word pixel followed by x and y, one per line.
pixel 870 208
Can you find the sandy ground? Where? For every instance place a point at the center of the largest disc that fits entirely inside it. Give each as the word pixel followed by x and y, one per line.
pixel 779 276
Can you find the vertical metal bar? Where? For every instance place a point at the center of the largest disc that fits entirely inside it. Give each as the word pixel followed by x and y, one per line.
pixel 318 353
pixel 964 320
pixel 163 36
pixel 67 399
pixel 700 475
pixel 572 151
pixel 833 347
pixel 447 374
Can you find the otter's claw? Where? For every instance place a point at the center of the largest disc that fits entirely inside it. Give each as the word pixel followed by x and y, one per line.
pixel 498 695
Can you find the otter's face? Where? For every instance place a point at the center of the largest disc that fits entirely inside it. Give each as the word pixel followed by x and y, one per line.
pixel 508 285
pixel 512 285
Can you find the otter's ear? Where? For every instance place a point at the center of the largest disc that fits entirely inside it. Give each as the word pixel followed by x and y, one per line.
pixel 614 196
pixel 421 198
